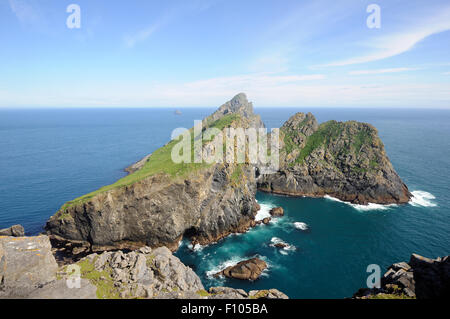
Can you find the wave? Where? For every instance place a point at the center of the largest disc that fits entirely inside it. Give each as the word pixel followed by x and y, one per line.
pixel 196 247
pixel 422 198
pixel 301 226
pixel 368 207
pixel 275 241
pixel 264 212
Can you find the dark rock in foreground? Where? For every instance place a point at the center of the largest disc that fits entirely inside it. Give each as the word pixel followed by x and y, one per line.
pixel 421 278
pixel 15 231
pixel 249 269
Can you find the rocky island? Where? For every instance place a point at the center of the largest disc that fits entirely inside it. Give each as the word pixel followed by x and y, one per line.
pixel 160 201
pixel 345 160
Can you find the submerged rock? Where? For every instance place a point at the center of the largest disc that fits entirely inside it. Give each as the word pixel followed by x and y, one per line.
pixel 249 269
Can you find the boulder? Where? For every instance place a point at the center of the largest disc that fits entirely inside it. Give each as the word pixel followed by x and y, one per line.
pixel 266 220
pixel 15 231
pixel 277 212
pixel 26 263
pixel 249 269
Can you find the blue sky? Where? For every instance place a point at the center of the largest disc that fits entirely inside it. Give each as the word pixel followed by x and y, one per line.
pixel 201 53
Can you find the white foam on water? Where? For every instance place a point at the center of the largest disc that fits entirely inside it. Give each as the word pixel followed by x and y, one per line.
pixel 368 207
pixel 284 250
pixel 196 247
pixel 301 226
pixel 264 212
pixel 422 198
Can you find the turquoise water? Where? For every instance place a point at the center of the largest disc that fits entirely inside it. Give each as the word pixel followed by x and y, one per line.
pixel 51 156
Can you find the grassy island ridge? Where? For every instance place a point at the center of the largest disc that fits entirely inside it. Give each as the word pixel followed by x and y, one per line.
pixel 160 162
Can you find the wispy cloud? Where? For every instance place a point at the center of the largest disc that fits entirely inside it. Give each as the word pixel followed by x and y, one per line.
pixel 173 13
pixel 381 71
pixel 400 42
pixel 25 12
pixel 142 35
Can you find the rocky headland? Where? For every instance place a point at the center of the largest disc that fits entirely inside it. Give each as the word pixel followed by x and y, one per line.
pixel 162 201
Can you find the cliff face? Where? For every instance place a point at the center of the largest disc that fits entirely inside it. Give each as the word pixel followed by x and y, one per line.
pixel 345 160
pixel 161 201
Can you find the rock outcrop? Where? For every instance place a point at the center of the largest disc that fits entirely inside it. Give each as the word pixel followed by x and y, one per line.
pixel 29 270
pixel 345 160
pixel 162 201
pixel 421 278
pixel 249 269
pixel 16 231
pixel 277 212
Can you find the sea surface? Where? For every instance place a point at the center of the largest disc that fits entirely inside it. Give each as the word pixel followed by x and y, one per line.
pixel 49 156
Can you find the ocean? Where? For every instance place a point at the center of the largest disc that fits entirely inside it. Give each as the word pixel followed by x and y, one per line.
pixel 50 156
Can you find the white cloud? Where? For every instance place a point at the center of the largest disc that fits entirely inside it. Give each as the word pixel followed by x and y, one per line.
pixel 381 71
pixel 400 42
pixel 24 11
pixel 263 89
pixel 172 13
pixel 142 35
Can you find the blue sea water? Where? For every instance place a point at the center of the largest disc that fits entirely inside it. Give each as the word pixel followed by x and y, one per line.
pixel 48 157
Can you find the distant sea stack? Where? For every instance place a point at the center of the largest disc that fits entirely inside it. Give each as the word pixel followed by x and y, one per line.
pixel 160 201
pixel 345 160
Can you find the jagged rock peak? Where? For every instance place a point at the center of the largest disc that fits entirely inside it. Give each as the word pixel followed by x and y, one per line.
pixel 305 123
pixel 238 104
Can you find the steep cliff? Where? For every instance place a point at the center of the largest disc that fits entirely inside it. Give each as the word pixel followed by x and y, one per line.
pixel 161 201
pixel 345 160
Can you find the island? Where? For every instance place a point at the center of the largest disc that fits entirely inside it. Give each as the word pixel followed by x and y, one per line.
pixel 161 202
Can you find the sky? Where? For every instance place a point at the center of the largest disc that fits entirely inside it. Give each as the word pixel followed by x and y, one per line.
pixel 186 53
